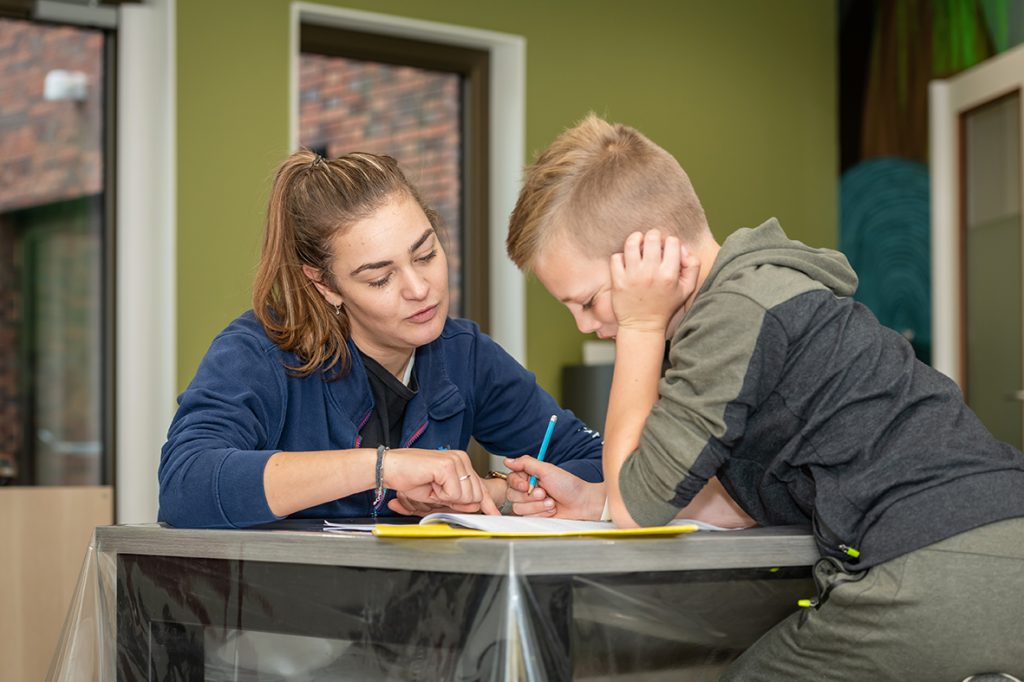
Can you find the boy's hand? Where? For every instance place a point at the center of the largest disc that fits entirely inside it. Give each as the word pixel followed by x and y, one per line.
pixel 558 493
pixel 651 279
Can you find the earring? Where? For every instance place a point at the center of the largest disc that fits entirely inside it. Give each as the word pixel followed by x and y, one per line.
pixel 337 310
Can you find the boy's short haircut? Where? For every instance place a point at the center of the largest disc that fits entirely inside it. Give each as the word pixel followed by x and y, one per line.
pixel 597 183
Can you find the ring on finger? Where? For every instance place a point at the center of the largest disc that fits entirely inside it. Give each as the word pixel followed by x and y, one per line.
pixel 463 478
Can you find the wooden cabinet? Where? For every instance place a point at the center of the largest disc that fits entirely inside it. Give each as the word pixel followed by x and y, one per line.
pixel 44 535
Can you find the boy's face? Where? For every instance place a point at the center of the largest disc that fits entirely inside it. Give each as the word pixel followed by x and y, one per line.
pixel 582 283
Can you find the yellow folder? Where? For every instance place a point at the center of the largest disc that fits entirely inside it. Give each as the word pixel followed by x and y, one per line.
pixel 458 526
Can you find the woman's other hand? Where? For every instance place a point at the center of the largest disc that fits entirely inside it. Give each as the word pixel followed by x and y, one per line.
pixel 403 504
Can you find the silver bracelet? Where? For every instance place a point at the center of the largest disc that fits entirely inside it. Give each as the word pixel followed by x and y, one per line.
pixel 506 506
pixel 380 489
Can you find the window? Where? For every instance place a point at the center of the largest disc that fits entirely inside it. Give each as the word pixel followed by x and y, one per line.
pixel 55 268
pixel 423 103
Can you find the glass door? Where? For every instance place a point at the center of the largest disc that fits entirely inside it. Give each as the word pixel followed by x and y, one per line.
pixel 993 384
pixel 977 283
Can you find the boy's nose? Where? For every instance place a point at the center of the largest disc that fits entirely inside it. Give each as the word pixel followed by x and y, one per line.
pixel 586 323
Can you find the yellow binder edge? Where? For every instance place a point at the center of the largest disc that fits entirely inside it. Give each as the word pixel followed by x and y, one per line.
pixel 443 530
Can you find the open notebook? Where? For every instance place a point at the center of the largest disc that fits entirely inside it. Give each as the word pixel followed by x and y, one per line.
pixel 451 525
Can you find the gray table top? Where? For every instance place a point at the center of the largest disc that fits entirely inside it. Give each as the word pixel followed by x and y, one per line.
pixel 751 548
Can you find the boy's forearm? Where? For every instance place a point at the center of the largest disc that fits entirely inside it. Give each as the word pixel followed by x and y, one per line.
pixel 638 357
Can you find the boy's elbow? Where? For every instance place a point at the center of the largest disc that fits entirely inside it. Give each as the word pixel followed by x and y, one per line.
pixel 620 515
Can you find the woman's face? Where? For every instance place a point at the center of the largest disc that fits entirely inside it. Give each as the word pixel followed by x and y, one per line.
pixel 392 279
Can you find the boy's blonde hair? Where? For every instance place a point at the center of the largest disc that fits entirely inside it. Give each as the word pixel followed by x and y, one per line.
pixel 597 183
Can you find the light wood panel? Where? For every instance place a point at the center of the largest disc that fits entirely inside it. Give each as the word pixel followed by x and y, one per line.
pixel 44 535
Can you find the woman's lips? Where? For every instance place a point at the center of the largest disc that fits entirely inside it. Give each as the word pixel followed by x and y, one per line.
pixel 425 315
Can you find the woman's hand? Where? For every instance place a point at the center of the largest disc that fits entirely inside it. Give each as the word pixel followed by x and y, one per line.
pixel 403 504
pixel 435 478
pixel 407 506
pixel 651 279
pixel 557 493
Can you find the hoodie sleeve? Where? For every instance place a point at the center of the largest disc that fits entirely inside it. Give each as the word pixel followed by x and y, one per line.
pixel 512 413
pixel 725 358
pixel 211 467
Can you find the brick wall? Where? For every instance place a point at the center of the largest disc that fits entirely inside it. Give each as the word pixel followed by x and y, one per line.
pixel 411 114
pixel 49 151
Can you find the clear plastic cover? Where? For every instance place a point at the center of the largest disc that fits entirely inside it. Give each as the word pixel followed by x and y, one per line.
pixel 166 604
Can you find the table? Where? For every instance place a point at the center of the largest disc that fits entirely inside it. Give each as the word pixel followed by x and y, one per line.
pixel 287 604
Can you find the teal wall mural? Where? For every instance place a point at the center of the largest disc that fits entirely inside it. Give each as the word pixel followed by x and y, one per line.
pixel 889 51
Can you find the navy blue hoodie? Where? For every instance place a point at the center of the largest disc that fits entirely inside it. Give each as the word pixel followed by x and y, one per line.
pixel 243 406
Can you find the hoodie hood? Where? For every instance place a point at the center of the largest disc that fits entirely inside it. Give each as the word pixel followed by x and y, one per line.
pixel 767 244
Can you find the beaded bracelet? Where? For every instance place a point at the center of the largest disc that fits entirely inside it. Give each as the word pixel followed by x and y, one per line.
pixel 380 490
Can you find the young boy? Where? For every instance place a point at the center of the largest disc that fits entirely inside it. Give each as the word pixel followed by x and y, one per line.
pixel 805 408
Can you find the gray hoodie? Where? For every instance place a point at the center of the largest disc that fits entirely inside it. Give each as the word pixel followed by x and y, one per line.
pixel 811 412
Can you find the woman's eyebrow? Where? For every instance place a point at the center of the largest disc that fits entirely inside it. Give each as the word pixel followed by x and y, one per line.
pixel 385 263
pixel 423 238
pixel 372 266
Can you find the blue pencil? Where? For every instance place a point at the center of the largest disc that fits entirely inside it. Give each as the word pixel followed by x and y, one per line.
pixel 543 449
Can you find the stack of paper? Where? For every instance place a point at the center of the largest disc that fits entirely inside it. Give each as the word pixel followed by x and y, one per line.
pixel 450 525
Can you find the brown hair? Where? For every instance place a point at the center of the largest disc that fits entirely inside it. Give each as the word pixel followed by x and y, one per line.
pixel 597 183
pixel 312 199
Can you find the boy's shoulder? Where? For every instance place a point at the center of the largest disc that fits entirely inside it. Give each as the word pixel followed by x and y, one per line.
pixel 766 284
pixel 764 265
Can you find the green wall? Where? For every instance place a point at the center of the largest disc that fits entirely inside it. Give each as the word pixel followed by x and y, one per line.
pixel 742 92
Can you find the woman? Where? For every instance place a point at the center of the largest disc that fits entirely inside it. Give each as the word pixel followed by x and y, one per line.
pixel 347 391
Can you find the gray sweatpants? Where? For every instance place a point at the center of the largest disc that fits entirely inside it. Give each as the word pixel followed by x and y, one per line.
pixel 944 612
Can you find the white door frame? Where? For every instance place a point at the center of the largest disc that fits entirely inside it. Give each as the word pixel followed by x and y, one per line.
pixel 507 107
pixel 146 253
pixel 948 100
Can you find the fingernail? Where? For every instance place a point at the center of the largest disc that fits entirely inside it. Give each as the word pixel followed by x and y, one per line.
pixel 549 503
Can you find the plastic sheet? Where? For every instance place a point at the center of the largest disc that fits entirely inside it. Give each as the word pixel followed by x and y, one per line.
pixel 265 606
pixel 85 650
